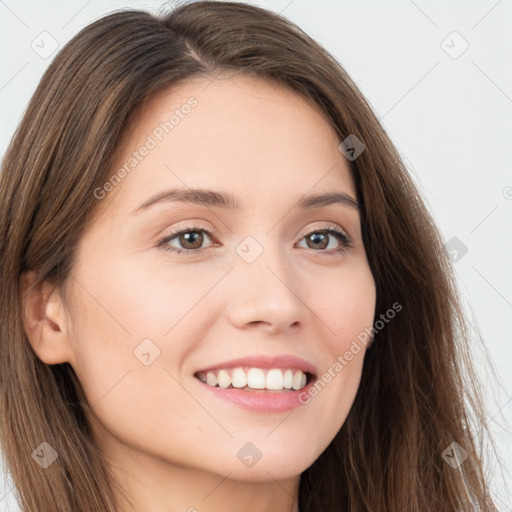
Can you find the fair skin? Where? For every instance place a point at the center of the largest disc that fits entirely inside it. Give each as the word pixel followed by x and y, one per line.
pixel 171 444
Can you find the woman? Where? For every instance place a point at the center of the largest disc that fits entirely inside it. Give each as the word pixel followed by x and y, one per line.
pixel 221 289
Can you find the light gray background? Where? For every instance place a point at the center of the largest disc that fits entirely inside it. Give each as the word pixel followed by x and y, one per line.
pixel 450 116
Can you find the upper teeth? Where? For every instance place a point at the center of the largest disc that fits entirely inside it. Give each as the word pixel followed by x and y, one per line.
pixel 255 378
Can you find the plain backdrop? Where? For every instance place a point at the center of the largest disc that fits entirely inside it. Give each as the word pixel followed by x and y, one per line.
pixel 438 74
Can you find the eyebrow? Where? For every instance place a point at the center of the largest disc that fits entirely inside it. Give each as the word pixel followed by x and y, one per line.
pixel 210 198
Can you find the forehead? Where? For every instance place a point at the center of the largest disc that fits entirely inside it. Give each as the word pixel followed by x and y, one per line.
pixel 256 139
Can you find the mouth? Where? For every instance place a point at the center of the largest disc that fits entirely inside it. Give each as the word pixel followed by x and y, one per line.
pixel 260 383
pixel 254 379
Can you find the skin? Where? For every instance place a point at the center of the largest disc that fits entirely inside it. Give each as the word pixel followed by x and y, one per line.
pixel 171 444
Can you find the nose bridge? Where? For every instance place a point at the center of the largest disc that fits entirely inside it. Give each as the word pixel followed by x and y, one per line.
pixel 263 285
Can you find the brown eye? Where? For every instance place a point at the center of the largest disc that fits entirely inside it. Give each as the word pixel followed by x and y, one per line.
pixel 319 239
pixel 190 239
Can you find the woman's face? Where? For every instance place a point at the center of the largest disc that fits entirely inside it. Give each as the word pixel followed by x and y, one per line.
pixel 268 282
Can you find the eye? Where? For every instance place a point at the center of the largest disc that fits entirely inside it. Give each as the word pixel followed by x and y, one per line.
pixel 192 238
pixel 319 239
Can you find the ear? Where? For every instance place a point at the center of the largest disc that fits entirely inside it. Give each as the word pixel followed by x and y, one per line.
pixel 44 320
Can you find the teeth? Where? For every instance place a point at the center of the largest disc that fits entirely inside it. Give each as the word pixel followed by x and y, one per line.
pixel 297 381
pixel 274 379
pixel 239 378
pixel 255 378
pixel 211 379
pixel 224 379
pixel 288 379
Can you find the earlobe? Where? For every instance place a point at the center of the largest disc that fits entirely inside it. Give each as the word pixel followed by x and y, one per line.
pixel 44 320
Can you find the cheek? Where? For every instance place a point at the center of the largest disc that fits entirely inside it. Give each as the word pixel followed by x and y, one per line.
pixel 132 333
pixel 343 309
pixel 345 303
pixel 149 300
pixel 131 379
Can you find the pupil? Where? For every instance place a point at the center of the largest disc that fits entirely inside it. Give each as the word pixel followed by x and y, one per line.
pixel 188 237
pixel 319 237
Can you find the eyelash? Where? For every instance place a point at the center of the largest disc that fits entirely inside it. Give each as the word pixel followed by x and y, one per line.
pixel 344 239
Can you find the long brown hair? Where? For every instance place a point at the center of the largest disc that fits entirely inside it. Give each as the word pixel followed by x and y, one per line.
pixel 418 391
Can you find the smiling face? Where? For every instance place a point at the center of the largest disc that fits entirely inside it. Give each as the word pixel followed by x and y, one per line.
pixel 268 280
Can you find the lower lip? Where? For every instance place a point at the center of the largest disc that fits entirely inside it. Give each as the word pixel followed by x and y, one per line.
pixel 261 400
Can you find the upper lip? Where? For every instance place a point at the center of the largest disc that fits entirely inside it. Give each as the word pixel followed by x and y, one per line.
pixel 264 361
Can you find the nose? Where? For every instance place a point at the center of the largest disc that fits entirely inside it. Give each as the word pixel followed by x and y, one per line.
pixel 262 295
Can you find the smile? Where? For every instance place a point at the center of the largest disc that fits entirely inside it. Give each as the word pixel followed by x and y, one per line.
pixel 252 379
